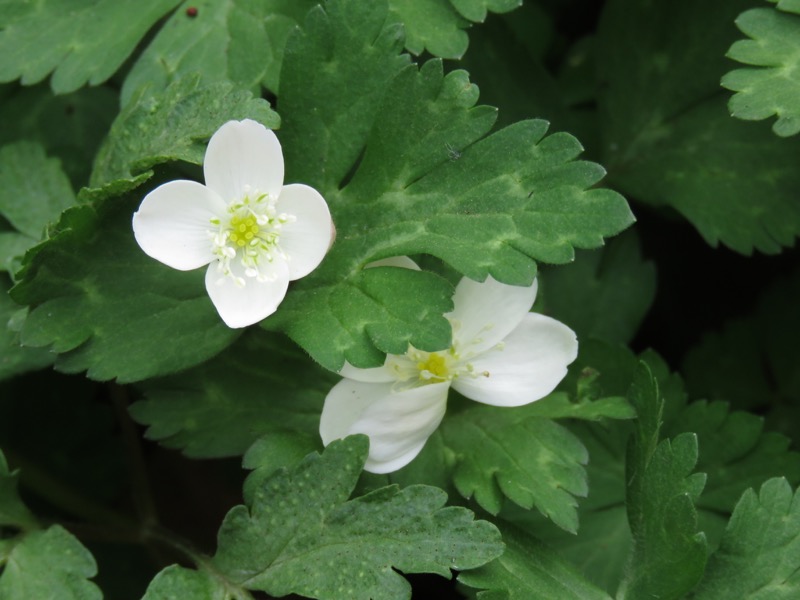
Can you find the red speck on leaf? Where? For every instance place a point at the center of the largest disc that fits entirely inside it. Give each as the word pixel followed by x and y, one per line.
pixel 191 11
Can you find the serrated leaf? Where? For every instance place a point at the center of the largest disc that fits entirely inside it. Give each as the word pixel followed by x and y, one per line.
pixel 772 88
pixel 328 547
pixel 234 41
pixel 475 10
pixel 432 25
pixel 79 44
pixel 14 358
pixel 105 307
pixel 505 453
pixel 51 564
pixel 665 126
pixel 529 570
pixel 70 127
pixel 176 583
pixel 490 207
pixel 560 406
pixel 12 510
pixel 759 556
pixel 604 294
pixel 222 407
pixel 33 193
pixel 173 125
pixel 669 554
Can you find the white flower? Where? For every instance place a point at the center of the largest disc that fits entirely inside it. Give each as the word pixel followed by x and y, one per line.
pixel 254 233
pixel 502 355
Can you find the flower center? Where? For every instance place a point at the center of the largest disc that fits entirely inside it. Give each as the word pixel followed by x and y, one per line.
pixel 246 240
pixel 435 366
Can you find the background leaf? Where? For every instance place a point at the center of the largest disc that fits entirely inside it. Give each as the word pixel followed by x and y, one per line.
pixel 232 41
pixel 86 45
pixel 768 86
pixel 759 556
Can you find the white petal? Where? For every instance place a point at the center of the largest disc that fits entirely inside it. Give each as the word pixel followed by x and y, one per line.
pixel 240 306
pixel 243 155
pixel 402 262
pixel 376 375
pixel 527 367
pixel 307 239
pixel 173 224
pixel 398 423
pixel 485 313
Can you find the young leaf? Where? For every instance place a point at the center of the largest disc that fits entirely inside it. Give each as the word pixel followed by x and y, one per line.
pixel 529 570
pixel 302 535
pixel 87 43
pixel 532 461
pixel 232 41
pixel 13 512
pixel 173 125
pixel 494 206
pixel 665 123
pixel 759 557
pixel 769 85
pixel 48 563
pixel 605 293
pixel 669 554
pixel 178 582
pixel 105 307
pixel 222 407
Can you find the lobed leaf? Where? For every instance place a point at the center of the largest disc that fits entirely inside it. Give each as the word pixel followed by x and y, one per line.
pixel 432 25
pixel 327 546
pixel 667 137
pixel 13 512
pixel 769 85
pixel 529 570
pixel 79 43
pixel 232 41
pixel 174 125
pixel 105 307
pixel 222 407
pixel 532 461
pixel 759 556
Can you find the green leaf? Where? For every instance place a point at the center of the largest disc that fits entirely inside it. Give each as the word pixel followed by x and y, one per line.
pixel 33 193
pixel 174 583
pixel 604 294
pixel 70 127
pixel 759 557
pixel 475 10
pixel 12 511
pixel 14 358
pixel 667 137
pixel 532 461
pixel 560 406
pixel 79 44
pixel 529 570
pixel 222 407
pixel 772 87
pixel 104 306
pixel 424 185
pixel 669 554
pixel 48 564
pixel 174 125
pixel 432 25
pixel 235 41
pixel 329 547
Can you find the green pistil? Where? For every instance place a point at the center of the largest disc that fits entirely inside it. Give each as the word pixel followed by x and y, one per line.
pixel 243 229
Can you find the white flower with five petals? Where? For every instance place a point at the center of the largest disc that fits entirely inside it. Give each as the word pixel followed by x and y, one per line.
pixel 254 233
pixel 501 354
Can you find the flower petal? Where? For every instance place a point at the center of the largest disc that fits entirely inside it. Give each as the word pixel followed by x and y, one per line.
pixel 376 375
pixel 307 239
pixel 485 313
pixel 398 423
pixel 240 306
pixel 173 224
pixel 527 367
pixel 243 155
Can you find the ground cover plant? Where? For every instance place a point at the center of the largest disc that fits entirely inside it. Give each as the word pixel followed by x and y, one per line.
pixel 344 299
